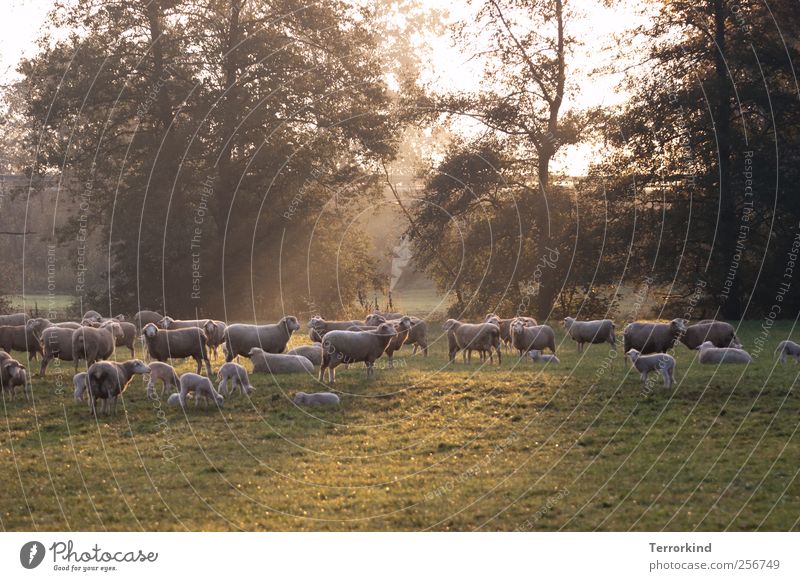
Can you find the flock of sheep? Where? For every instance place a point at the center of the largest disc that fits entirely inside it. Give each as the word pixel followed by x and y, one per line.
pixel 336 343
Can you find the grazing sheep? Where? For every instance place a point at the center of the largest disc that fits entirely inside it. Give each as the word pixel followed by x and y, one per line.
pixel 340 347
pixel 178 344
pixel 417 335
pixel 144 318
pixel 240 339
pixel 311 352
pixel 237 375
pixel 662 363
pixel 788 349
pixel 13 375
pixel 275 363
pixel 108 379
pixel 163 372
pixel 710 355
pixel 320 399
pixel 538 357
pixel 525 338
pixel 317 327
pixel 4 356
pixel 80 381
pixel 721 334
pixel 20 338
pixel 215 331
pixel 591 332
pixel 468 337
pixel 202 389
pixel 57 344
pixel 13 320
pixel 652 337
pixel 505 325
pixel 94 343
pixel 174 400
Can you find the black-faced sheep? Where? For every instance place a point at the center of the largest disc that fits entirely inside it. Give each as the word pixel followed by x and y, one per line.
pixel 468 337
pixel 344 347
pixel 108 379
pixel 788 349
pixel 719 333
pixel 710 355
pixel 240 338
pixel 525 338
pixel 591 332
pixel 278 363
pixel 662 363
pixel 163 345
pixel 652 337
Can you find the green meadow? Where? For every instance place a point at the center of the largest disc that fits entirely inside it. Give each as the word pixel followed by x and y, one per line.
pixel 424 446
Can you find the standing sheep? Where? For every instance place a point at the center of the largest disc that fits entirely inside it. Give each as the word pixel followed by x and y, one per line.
pixel 592 332
pixel 719 333
pixel 340 347
pixel 278 363
pixel 240 338
pixel 468 337
pixel 652 337
pixel 13 375
pixel 317 327
pixel 525 338
pixel 127 338
pixel 215 331
pixel 13 320
pixel 57 344
pixel 144 318
pixel 237 376
pixel 710 355
pixel 662 363
pixel 311 352
pixel 163 372
pixel 505 325
pixel 320 399
pixel 20 338
pixel 417 335
pixel 201 387
pixel 94 343
pixel 109 379
pixel 163 345
pixel 788 349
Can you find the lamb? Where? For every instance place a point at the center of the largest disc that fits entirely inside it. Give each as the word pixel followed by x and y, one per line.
pixel 353 346
pixel 652 337
pixel 94 343
pixel 711 355
pixel 317 327
pixel 663 363
pixel 163 372
pixel 311 352
pixel 80 381
pixel 20 338
pixel 417 336
pixel 13 320
pixel 320 399
pixel 525 338
pixel 107 380
pixel 592 332
pixel 788 349
pixel 721 334
pixel 505 325
pixel 178 344
pixel 237 375
pixel 201 387
pixel 240 339
pixel 538 357
pixel 467 337
pixel 144 318
pixel 57 344
pixel 275 363
pixel 13 375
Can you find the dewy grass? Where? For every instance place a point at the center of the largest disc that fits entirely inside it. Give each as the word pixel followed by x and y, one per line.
pixel 578 446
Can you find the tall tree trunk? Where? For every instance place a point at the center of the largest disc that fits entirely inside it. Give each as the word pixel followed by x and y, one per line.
pixel 729 276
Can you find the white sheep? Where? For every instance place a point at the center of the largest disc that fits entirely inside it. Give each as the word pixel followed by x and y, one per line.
pixel 276 363
pixel 591 332
pixel 80 382
pixel 238 377
pixel 662 363
pixel 710 355
pixel 163 372
pixel 201 387
pixel 788 349
pixel 321 399
pixel 539 357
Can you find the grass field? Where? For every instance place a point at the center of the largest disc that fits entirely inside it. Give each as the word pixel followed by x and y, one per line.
pixel 423 446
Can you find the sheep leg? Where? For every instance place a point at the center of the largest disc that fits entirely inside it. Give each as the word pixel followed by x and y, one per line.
pixel 43 368
pixel 133 353
pixel 222 387
pixel 499 356
pixel 208 363
pixel 391 360
pixel 151 389
pixel 644 378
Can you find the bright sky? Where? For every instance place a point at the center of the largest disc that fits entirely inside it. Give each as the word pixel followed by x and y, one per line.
pixel 22 20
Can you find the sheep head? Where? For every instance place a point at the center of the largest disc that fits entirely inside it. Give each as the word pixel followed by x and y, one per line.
pixel 300 398
pixel 568 322
pixel 150 330
pixel 375 319
pixel 290 323
pixel 166 322
pixel 633 355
